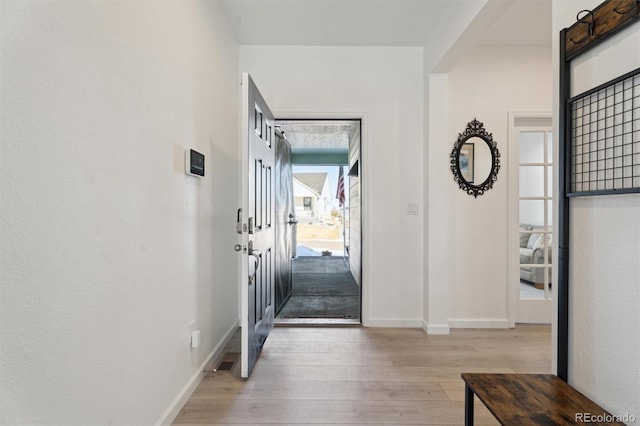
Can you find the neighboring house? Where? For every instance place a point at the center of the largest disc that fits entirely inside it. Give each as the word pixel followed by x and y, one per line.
pixel 312 196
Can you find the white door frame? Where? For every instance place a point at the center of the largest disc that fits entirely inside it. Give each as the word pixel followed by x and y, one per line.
pixel 518 121
pixel 364 188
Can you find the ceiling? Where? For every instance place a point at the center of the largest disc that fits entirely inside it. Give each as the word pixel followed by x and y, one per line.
pixel 380 22
pixel 525 23
pixel 313 135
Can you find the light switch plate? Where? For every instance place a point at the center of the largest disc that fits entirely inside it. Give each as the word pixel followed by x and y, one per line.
pixel 195 339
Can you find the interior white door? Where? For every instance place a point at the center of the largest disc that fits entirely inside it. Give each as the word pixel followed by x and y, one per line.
pixel 531 218
pixel 257 224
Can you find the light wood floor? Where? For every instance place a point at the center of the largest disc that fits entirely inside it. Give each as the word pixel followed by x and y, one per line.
pixel 366 376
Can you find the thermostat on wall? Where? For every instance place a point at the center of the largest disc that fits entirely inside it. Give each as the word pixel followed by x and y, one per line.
pixel 194 163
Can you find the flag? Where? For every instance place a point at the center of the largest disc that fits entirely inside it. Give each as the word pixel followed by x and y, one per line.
pixel 340 193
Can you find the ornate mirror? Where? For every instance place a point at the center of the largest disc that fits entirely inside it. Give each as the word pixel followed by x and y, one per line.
pixel 475 159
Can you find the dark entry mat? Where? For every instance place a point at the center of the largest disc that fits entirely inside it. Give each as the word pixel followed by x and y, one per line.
pixel 322 288
pixel 322 307
pixel 324 285
pixel 319 265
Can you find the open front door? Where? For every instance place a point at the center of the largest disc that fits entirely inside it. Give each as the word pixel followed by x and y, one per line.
pixel 285 222
pixel 256 224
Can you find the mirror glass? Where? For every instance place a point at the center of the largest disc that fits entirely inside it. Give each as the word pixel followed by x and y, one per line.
pixel 475 160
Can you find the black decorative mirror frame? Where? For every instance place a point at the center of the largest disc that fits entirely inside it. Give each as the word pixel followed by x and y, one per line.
pixel 475 128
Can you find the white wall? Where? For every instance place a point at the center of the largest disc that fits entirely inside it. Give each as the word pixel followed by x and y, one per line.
pixel 108 251
pixel 386 86
pixel 604 273
pixel 487 84
pixel 440 222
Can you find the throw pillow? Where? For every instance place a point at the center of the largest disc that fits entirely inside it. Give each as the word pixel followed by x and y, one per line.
pixel 534 240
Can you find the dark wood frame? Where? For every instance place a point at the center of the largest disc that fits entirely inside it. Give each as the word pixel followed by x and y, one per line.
pixel 592 28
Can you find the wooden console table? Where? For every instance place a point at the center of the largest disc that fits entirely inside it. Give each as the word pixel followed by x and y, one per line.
pixel 532 399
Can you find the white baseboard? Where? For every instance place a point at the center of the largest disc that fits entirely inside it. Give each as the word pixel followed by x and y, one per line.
pixel 392 322
pixel 479 323
pixel 435 328
pixel 174 408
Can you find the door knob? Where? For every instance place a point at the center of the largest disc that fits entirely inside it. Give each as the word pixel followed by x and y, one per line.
pixel 237 247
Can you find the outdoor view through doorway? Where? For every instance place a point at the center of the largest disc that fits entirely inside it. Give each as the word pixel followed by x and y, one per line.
pixel 322 219
pixel 324 289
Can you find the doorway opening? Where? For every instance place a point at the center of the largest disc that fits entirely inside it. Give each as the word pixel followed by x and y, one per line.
pixel 325 236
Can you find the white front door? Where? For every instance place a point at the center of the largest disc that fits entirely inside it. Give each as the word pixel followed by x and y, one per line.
pixel 256 224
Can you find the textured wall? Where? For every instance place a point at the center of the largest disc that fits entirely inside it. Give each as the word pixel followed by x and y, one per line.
pixel 604 301
pixel 604 275
pixel 109 252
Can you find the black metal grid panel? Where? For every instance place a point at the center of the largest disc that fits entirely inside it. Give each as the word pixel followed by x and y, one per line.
pixel 605 138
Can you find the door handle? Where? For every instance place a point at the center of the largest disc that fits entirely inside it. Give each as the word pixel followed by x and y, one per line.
pixel 239 222
pixel 292 219
pixel 257 256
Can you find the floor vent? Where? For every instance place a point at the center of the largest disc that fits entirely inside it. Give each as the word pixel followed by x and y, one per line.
pixel 225 366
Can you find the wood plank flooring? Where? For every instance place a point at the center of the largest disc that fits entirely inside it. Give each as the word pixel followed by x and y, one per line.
pixel 356 376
